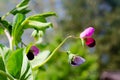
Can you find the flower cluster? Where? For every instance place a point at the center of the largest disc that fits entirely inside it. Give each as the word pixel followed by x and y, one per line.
pixel 74 60
pixel 86 36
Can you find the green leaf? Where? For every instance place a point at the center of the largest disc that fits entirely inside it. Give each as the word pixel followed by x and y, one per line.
pixel 41 17
pixel 18 19
pixel 38 25
pixel 24 75
pixel 26 71
pixel 14 63
pixel 39 59
pixel 23 3
pixel 46 14
pixel 21 8
pixel 37 18
pixel 1 30
pixel 5 52
pixel 5 24
pixel 2 67
pixel 1 46
pixel 38 21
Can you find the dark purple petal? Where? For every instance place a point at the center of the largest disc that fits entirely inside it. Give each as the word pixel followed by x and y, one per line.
pixel 90 42
pixel 35 50
pixel 30 55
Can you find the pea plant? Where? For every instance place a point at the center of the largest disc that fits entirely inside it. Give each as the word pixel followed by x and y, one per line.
pixel 18 61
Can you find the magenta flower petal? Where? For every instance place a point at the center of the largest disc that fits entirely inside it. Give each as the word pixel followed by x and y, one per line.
pixel 88 32
pixel 90 42
pixel 35 50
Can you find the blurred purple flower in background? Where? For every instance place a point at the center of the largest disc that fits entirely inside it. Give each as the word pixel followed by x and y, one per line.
pixel 86 35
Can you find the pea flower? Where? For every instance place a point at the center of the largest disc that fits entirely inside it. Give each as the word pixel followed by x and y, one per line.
pixel 32 52
pixel 86 35
pixel 76 60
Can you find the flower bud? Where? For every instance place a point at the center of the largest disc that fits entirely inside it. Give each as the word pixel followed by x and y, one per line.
pixel 75 60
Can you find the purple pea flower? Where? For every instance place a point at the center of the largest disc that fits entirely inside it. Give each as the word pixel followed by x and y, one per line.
pixel 86 35
pixel 32 52
pixel 75 60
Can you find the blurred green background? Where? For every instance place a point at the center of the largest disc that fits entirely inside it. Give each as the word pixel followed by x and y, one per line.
pixel 73 17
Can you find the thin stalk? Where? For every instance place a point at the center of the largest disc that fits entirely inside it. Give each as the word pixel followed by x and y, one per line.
pixel 3 17
pixel 9 39
pixel 5 74
pixel 54 51
pixel 8 36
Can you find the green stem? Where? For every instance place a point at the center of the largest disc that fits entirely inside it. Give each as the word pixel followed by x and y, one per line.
pixel 54 51
pixel 8 36
pixel 3 17
pixel 9 39
pixel 5 74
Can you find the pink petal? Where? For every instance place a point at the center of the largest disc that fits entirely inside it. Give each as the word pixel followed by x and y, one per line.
pixel 88 32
